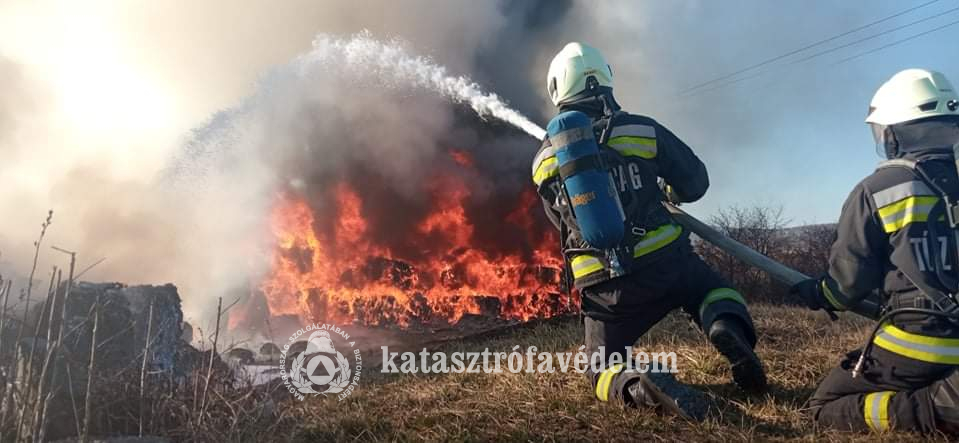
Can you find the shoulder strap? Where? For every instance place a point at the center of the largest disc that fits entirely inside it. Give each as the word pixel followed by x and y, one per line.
pixel 604 127
pixel 945 207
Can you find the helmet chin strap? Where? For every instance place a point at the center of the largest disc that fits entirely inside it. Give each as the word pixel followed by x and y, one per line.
pixel 591 83
pixel 592 87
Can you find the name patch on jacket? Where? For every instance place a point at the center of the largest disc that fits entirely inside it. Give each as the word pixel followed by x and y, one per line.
pixel 921 252
pixel 627 177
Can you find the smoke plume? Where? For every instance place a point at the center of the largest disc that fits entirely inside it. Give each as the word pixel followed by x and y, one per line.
pixel 171 203
pixel 160 132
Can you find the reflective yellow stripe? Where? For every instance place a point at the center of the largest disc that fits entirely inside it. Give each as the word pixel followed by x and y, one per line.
pixel 908 210
pixel 657 239
pixel 884 410
pixel 832 297
pixel 918 347
pixel 720 294
pixel 644 147
pixel 628 139
pixel 546 169
pixel 583 265
pixel 906 203
pixel 875 410
pixel 605 379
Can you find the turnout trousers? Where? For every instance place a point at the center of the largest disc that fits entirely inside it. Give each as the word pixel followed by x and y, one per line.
pixel 619 311
pixel 894 391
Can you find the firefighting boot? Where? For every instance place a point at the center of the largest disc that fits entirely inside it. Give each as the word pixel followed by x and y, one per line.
pixel 729 338
pixel 662 392
pixel 945 403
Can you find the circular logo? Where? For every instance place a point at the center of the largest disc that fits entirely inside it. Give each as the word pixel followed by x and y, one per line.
pixel 320 368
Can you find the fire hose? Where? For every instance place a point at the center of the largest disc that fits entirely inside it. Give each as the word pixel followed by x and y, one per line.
pixel 868 307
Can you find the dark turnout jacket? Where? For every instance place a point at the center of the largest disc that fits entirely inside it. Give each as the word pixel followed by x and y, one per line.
pixel 892 234
pixel 638 151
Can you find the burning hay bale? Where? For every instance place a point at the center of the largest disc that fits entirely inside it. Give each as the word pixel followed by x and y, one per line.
pixel 426 265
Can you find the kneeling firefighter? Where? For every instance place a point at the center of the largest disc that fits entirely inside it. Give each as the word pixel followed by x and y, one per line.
pixel 897 235
pixel 597 174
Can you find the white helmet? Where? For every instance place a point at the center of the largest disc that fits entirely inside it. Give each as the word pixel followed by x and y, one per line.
pixel 910 95
pixel 572 67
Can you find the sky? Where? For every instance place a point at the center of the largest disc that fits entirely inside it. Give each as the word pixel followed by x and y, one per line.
pixel 793 136
pixel 95 96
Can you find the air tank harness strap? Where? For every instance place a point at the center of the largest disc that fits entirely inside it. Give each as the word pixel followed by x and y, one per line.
pixel 587 163
pixel 943 301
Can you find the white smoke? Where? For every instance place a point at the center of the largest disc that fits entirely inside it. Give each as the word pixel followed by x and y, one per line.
pixel 393 64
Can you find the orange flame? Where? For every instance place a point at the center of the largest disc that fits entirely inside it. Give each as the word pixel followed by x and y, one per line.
pixel 346 278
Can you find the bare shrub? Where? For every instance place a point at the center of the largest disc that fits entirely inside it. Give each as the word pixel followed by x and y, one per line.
pixel 763 228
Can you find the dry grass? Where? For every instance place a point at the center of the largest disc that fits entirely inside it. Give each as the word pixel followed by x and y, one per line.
pixel 798 346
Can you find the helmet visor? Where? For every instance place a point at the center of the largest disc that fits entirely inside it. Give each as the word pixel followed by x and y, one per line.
pixel 878 135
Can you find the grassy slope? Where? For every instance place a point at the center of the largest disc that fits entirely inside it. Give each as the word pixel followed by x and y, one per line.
pixel 798 346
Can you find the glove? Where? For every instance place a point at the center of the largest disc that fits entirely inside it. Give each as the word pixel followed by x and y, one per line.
pixel 810 293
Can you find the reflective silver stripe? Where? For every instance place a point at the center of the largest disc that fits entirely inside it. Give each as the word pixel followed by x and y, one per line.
pixel 949 351
pixel 571 136
pixel 543 155
pixel 633 131
pixel 906 212
pixel 896 193
pixel 874 416
pixel 876 409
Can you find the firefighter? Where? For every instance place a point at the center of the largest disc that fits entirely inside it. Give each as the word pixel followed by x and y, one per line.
pixel 896 236
pixel 664 273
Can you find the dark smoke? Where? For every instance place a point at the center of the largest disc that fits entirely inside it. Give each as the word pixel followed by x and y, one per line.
pixel 514 64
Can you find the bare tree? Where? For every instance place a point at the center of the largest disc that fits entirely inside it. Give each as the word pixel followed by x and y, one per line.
pixel 758 227
pixel 809 253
